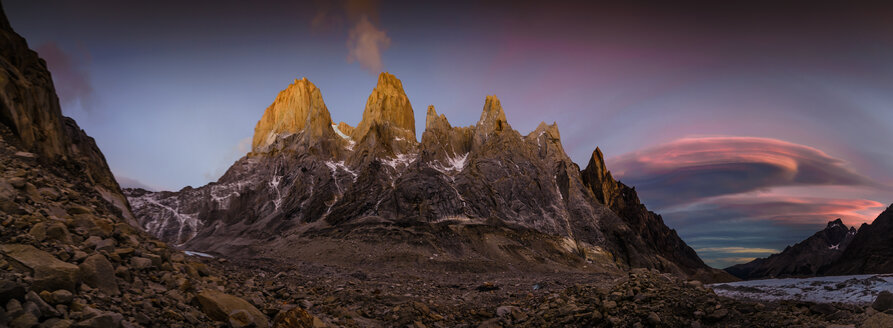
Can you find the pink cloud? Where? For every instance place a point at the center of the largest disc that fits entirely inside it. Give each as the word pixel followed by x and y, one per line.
pixel 690 169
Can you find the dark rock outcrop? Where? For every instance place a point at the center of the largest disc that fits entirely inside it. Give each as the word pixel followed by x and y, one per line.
pixel 805 258
pixel 30 109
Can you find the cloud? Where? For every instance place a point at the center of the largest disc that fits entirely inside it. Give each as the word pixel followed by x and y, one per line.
pixel 126 182
pixel 725 262
pixel 365 43
pixel 365 39
pixel 737 250
pixel 689 169
pixel 69 75
pixel 241 148
pixel 776 209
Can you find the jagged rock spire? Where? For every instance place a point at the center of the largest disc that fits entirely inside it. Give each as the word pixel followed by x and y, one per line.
pixel 387 105
pixel 597 176
pixel 295 109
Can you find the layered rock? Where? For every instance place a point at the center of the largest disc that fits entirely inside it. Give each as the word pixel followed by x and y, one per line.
pixel 456 192
pixel 30 109
pixel 870 251
pixel 805 258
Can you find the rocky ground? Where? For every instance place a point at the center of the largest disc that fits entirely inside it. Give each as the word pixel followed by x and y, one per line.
pixel 69 260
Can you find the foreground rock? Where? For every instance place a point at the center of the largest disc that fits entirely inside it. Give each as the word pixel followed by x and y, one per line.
pixel 48 272
pixel 227 308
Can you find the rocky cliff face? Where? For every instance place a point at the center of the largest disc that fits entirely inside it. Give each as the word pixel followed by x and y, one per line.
pixel 483 192
pixel 641 236
pixel 870 251
pixel 68 257
pixel 805 258
pixel 30 110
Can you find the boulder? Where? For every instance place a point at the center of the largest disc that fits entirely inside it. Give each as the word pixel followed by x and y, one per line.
pixel 10 290
pixel 98 272
pixel 297 318
pixel 221 307
pixel 878 320
pixel 101 320
pixel 140 262
pixel 883 302
pixel 49 272
pixel 45 309
pixel 58 231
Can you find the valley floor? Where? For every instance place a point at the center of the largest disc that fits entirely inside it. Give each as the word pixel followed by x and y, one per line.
pixel 387 297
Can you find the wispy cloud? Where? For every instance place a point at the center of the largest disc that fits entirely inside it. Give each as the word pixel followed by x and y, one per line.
pixel 366 40
pixel 365 43
pixel 738 250
pixel 70 75
pixel 127 182
pixel 238 150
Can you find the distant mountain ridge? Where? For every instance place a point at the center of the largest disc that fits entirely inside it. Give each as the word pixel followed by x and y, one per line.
pixel 805 258
pixel 835 250
pixel 470 192
pixel 870 251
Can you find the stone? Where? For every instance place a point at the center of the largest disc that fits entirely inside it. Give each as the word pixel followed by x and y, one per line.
pixel 38 231
pixel 822 308
pixel 17 182
pixel 107 245
pixel 58 231
pixel 61 297
pixel 74 209
pixel 240 319
pixel 26 320
pixel 878 320
pixel 49 272
pixel 14 308
pixel 98 272
pixel 718 315
pixel 101 320
pixel 653 319
pixel 694 284
pixel 883 302
pixel 140 262
pixel 156 260
pixel 10 290
pixel 45 309
pixel 219 306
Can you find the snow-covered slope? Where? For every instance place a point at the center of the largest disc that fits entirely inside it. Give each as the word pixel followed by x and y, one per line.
pixel 858 289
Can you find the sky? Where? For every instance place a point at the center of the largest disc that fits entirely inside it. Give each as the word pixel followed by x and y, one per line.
pixel 747 125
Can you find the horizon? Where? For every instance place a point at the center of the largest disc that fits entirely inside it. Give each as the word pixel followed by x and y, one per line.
pixel 744 138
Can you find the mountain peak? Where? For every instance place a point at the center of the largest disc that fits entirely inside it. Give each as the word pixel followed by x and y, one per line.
pixel 387 105
pixel 836 223
pixel 492 117
pixel 301 102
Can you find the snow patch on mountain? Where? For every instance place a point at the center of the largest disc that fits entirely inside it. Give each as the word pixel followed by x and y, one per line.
pixel 401 160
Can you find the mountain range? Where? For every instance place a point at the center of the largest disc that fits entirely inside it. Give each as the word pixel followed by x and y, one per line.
pixel 481 194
